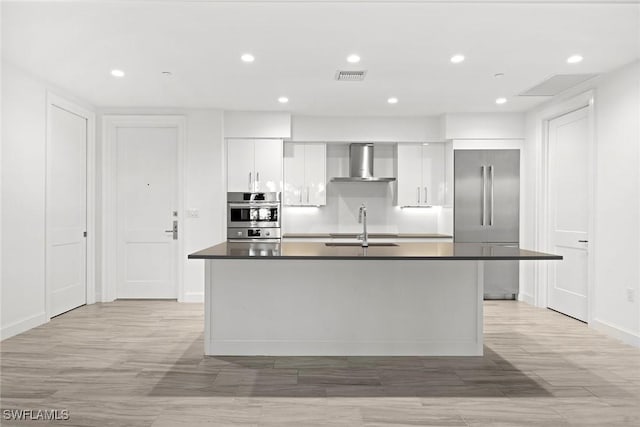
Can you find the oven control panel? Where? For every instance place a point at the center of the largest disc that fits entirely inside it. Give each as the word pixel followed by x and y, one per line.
pixel 253 233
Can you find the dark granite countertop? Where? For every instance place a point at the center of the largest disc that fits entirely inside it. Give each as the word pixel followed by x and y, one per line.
pixel 371 236
pixel 399 251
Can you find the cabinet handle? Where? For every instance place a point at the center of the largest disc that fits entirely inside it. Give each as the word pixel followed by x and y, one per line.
pixel 307 195
pixel 418 195
pixel 300 194
pixel 425 194
pixel 250 189
pixel 257 176
pixel 583 241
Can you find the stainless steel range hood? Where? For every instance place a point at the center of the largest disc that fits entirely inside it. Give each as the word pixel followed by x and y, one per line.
pixel 361 165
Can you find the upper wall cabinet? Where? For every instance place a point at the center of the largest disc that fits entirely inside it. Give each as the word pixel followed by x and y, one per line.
pixel 421 180
pixel 254 165
pixel 305 175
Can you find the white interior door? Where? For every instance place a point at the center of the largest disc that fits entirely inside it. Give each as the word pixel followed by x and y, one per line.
pixel 147 189
pixel 67 211
pixel 569 208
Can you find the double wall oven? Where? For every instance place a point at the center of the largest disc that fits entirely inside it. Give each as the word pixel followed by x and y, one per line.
pixel 253 217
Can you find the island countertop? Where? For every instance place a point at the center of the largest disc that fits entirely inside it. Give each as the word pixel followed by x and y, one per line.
pixel 376 251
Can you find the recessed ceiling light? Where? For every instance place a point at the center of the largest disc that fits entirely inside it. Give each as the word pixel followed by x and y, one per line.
pixel 574 59
pixel 247 57
pixel 117 73
pixel 283 100
pixel 354 59
pixel 456 59
pixel 392 100
pixel 501 100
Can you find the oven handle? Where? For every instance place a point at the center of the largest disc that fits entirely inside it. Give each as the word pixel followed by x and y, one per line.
pixel 255 240
pixel 254 205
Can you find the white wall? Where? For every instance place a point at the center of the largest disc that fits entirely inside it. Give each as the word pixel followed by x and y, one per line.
pixel 257 124
pixel 615 247
pixel 23 192
pixel 23 199
pixel 366 129
pixel 206 192
pixel 617 214
pixel 484 126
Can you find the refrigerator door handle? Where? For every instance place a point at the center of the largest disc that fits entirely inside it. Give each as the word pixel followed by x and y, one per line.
pixel 484 195
pixel 491 171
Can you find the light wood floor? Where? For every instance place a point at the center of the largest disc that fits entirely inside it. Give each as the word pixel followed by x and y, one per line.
pixel 140 363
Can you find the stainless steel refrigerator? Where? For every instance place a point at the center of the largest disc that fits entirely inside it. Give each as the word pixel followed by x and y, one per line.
pixel 487 210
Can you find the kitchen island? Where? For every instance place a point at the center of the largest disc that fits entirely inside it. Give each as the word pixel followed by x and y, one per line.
pixel 312 298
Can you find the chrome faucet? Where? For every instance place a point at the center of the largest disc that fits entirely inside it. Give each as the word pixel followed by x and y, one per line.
pixel 362 218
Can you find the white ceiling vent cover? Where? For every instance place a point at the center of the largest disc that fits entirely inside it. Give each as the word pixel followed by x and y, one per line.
pixel 556 84
pixel 350 76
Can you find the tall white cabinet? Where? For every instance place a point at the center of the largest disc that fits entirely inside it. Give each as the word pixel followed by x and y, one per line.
pixel 254 165
pixel 421 178
pixel 305 175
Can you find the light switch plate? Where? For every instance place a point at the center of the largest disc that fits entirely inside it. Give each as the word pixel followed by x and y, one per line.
pixel 193 213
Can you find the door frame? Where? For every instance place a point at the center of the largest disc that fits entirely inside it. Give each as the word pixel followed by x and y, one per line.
pixel 542 197
pixel 56 101
pixel 110 125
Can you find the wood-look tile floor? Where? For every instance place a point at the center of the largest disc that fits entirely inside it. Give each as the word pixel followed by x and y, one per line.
pixel 140 363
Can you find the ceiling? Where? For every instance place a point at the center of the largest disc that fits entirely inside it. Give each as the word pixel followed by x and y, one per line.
pixel 405 47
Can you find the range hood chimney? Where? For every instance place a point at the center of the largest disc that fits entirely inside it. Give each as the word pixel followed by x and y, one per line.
pixel 361 165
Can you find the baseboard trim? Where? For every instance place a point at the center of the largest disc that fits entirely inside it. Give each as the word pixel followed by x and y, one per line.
pixel 193 297
pixel 623 334
pixel 528 298
pixel 23 325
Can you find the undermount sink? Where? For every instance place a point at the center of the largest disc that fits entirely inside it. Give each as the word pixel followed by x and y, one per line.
pixel 360 244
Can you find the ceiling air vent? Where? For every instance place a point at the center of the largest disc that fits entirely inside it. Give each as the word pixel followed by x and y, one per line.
pixel 350 76
pixel 556 84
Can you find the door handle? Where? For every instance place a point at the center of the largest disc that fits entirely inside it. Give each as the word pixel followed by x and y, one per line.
pixel 174 230
pixel 418 195
pixel 491 170
pixel 484 195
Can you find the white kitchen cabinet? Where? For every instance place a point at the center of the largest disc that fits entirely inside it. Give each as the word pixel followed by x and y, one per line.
pixel 254 165
pixel 421 180
pixel 305 174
